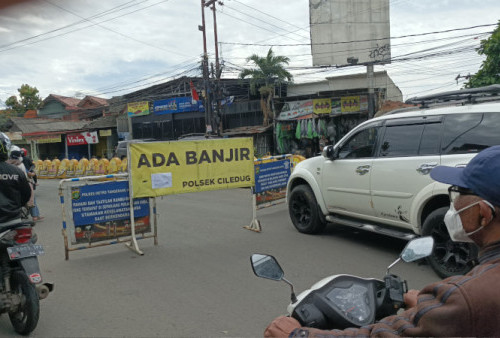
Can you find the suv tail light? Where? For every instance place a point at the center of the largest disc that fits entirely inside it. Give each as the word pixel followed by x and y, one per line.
pixel 23 235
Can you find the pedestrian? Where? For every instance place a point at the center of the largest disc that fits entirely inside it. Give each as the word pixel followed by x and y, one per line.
pixel 466 305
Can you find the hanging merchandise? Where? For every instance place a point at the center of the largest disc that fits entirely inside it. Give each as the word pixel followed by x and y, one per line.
pixel 331 131
pixel 309 129
pixel 297 131
pixel 303 133
pixel 321 127
pixel 315 128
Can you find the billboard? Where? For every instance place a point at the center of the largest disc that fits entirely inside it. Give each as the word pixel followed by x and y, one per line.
pixel 177 105
pixel 349 29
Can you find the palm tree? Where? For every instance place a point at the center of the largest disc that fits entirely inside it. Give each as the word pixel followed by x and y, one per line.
pixel 270 71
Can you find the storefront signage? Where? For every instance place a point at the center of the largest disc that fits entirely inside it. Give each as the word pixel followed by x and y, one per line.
pixel 105 132
pixel 46 139
pixel 82 138
pixel 353 103
pixel 138 108
pixel 294 109
pixel 177 105
pixel 322 106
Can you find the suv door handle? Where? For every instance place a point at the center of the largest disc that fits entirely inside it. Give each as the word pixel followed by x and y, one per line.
pixel 426 168
pixel 363 169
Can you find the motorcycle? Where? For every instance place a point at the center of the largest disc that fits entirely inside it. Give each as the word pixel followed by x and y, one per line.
pixel 21 285
pixel 343 301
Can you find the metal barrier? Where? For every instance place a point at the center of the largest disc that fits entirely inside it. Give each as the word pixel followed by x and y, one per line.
pixel 103 211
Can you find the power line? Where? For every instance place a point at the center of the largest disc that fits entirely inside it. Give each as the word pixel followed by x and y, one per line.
pixel 367 40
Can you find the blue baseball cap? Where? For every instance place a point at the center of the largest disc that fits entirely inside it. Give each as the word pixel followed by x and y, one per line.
pixel 481 175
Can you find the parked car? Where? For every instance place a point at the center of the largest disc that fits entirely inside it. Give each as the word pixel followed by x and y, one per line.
pixel 121 148
pixel 376 178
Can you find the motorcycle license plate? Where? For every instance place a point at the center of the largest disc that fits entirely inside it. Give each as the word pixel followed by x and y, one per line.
pixel 25 250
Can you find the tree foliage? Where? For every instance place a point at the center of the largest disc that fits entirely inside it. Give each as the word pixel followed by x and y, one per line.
pixel 489 73
pixel 269 72
pixel 28 99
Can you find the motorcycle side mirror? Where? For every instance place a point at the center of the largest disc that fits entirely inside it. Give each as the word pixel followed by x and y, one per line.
pixel 415 249
pixel 266 266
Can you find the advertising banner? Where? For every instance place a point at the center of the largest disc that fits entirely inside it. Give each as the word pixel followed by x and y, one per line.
pixel 164 168
pixel 177 105
pixel 46 138
pixel 292 110
pixel 82 138
pixel 322 106
pixel 102 211
pixel 349 104
pixel 138 108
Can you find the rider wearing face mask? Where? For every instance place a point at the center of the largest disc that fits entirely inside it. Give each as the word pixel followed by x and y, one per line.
pixel 465 305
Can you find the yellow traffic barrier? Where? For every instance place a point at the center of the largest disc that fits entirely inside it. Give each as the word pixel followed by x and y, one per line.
pixel 114 166
pixel 91 167
pixel 63 168
pixel 53 168
pixel 102 166
pixel 81 167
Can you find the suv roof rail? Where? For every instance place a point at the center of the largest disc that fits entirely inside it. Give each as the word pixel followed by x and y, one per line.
pixel 463 96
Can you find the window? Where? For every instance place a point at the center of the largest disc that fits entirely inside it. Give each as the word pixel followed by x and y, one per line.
pixel 470 133
pixel 431 139
pixel 360 145
pixel 401 140
pixel 412 137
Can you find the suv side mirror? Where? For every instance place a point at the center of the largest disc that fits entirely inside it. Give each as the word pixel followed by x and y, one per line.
pixel 330 153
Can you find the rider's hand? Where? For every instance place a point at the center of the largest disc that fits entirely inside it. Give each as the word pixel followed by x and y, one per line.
pixel 410 298
pixel 281 327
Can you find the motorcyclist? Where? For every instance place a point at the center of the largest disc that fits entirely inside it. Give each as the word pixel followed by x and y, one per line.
pixel 466 305
pixel 15 191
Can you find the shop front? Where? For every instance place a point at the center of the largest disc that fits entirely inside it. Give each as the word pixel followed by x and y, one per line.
pixel 304 127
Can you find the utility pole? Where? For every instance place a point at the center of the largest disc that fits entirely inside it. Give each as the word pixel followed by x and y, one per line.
pixel 206 80
pixel 214 117
pixel 371 89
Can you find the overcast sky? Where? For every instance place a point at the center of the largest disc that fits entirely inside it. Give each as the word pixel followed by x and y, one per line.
pixel 109 48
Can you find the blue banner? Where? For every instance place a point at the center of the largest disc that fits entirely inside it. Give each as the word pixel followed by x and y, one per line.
pixel 271 175
pixel 98 203
pixel 177 105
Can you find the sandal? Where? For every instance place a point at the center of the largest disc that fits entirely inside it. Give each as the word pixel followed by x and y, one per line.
pixel 38 219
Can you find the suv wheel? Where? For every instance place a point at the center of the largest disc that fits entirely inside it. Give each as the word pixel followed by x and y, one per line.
pixel 304 210
pixel 448 258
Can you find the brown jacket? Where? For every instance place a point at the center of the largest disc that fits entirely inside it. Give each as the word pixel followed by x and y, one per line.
pixel 467 305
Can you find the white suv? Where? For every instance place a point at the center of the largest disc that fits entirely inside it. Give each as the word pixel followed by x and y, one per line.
pixel 377 177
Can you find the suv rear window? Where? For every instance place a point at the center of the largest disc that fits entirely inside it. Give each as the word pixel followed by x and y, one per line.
pixel 470 133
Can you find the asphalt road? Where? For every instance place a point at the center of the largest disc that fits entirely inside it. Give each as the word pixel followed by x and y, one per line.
pixel 197 281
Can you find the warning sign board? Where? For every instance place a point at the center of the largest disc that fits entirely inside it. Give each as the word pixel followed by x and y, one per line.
pixel 164 168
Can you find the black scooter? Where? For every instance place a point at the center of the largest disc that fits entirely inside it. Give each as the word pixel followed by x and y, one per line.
pixel 21 284
pixel 342 301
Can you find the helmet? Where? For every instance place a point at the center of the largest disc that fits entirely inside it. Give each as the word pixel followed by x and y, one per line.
pixel 15 152
pixel 24 152
pixel 4 146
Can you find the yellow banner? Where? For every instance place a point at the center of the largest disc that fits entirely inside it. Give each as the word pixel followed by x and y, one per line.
pixel 322 106
pixel 46 139
pixel 165 168
pixel 138 108
pixel 349 104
